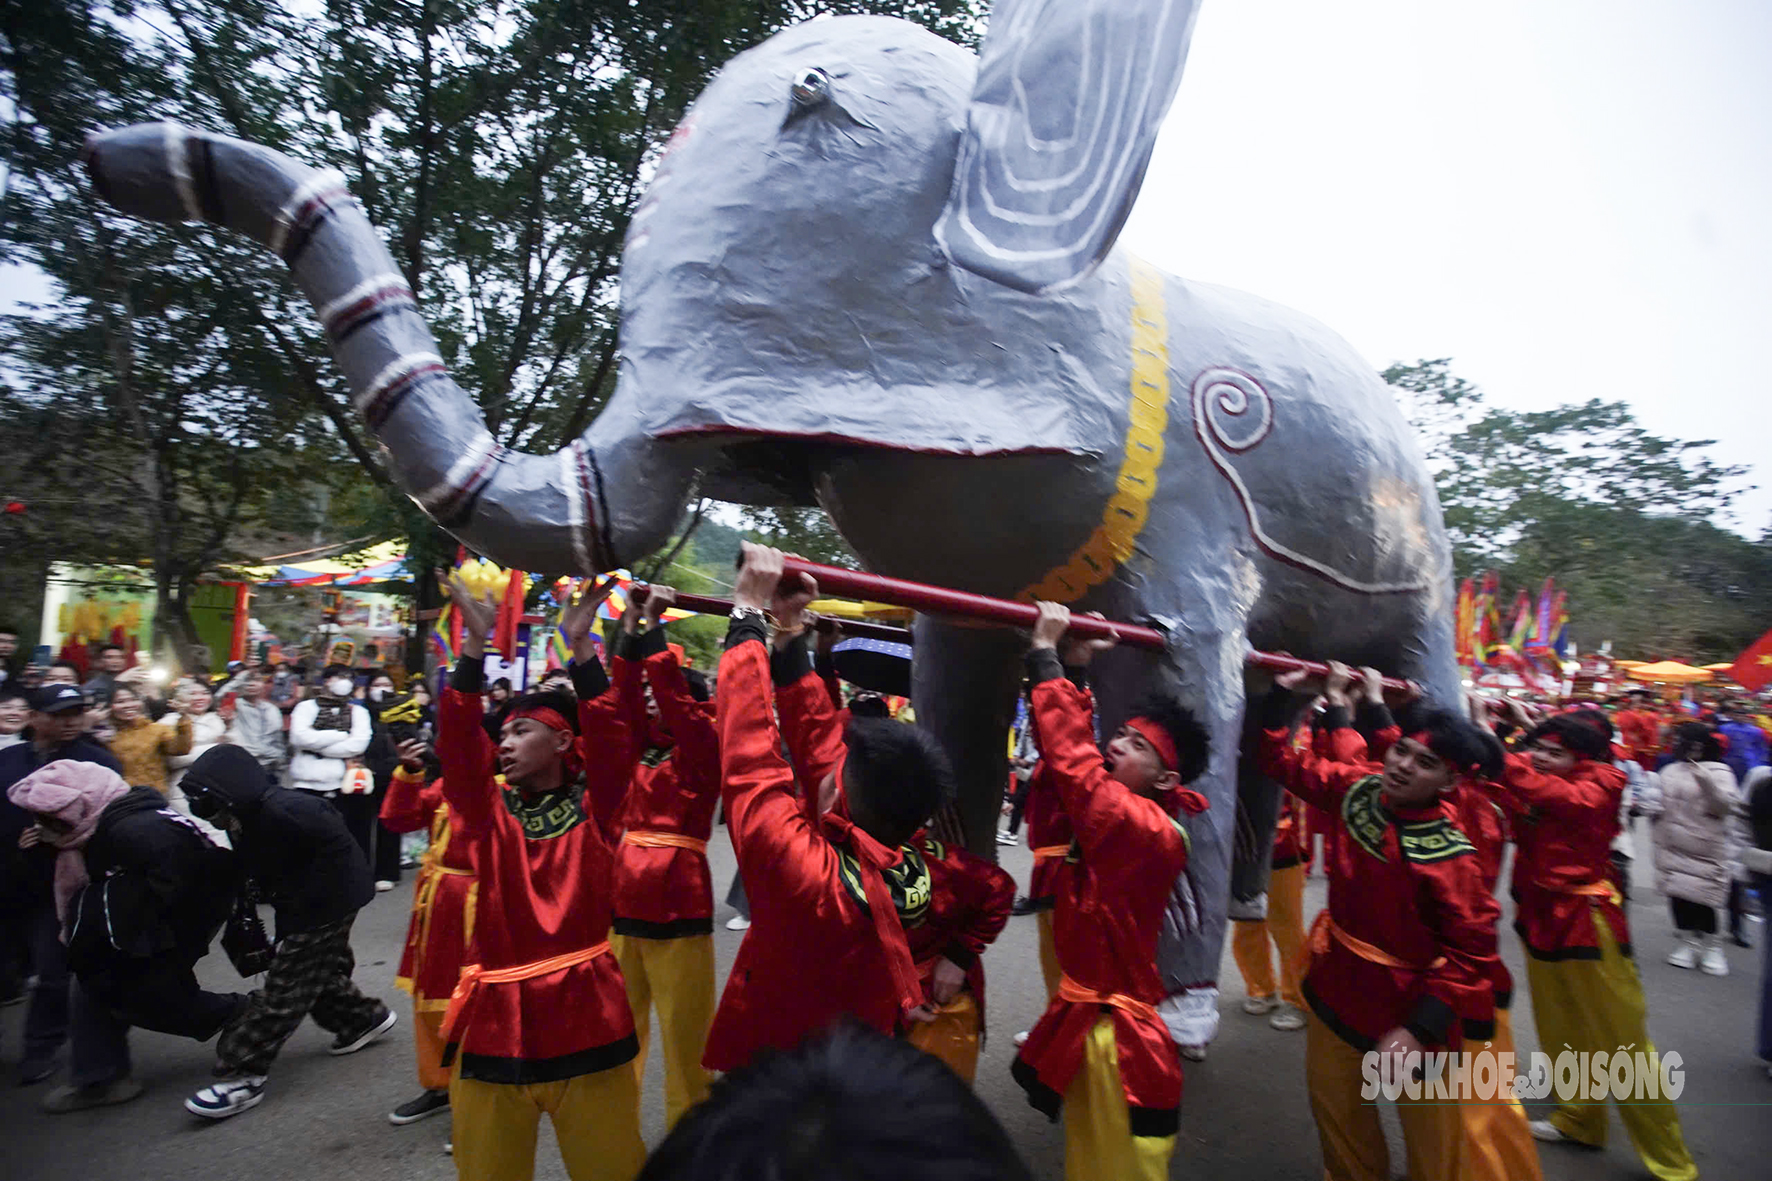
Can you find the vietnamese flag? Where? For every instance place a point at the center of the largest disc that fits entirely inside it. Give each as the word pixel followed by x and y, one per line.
pixel 1753 668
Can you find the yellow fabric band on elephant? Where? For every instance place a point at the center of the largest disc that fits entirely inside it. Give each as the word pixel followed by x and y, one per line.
pixel 1113 540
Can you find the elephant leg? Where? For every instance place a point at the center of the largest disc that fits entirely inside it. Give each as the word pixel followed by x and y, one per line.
pixel 963 685
pixel 1258 813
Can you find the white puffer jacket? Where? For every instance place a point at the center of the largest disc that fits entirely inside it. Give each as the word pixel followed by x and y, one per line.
pixel 317 761
pixel 1695 834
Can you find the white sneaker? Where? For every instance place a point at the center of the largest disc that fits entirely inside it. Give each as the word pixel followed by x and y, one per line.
pixel 1543 1129
pixel 738 923
pixel 1194 1053
pixel 1714 962
pixel 1007 838
pixel 228 1097
pixel 1683 956
pixel 1257 1006
pixel 383 886
pixel 1020 1039
pixel 1290 1019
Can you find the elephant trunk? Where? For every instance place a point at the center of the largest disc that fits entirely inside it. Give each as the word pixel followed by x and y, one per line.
pixel 529 511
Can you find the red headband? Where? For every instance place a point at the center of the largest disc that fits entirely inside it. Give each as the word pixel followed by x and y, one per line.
pixel 1159 740
pixel 546 715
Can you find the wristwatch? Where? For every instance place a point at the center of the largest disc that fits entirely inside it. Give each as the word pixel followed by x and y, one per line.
pixel 740 614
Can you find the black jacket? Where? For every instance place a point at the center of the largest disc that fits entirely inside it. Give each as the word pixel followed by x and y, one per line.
pixel 27 873
pixel 157 885
pixel 292 843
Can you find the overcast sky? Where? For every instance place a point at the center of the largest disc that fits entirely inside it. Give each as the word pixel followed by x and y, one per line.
pixel 1569 198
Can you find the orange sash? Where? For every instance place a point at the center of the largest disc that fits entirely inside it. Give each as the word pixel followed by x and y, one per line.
pixel 1075 993
pixel 473 976
pixel 1325 927
pixel 651 839
pixel 1048 851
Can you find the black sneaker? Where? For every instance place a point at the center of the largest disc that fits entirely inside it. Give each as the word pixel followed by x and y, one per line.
pixel 1023 905
pixel 428 1103
pixel 350 1043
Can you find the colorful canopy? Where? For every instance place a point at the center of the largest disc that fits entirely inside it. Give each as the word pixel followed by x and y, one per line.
pixel 384 562
pixel 1669 672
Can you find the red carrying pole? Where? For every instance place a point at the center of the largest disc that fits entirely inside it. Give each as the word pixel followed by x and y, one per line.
pixel 936 600
pixel 709 605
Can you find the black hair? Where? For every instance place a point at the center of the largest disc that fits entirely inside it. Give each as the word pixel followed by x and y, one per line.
pixel 1468 747
pixel 1192 744
pixel 8 691
pixel 1710 748
pixel 503 683
pixel 698 684
pixel 563 704
pixel 337 670
pixel 896 776
pixel 103 648
pixel 848 1103
pixel 1587 732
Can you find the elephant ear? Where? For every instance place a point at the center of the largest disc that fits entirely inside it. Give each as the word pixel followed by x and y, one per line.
pixel 1063 118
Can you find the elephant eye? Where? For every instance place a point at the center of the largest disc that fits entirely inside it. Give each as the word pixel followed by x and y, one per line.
pixel 811 88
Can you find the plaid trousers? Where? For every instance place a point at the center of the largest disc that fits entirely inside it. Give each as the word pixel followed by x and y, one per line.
pixel 311 974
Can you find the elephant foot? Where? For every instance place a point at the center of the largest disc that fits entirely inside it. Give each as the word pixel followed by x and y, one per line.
pixel 1192 1018
pixel 1248 910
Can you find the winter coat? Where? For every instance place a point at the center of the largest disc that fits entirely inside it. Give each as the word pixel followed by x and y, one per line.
pixel 1755 819
pixel 25 874
pixel 258 727
pixel 292 843
pixel 145 748
pixel 318 759
pixel 1694 833
pixel 206 730
pixel 158 884
pixel 1747 747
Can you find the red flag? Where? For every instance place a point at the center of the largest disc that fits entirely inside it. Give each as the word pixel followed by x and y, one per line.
pixel 510 614
pixel 1753 668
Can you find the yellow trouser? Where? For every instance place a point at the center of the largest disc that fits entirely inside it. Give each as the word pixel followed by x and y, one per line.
pixel 677 975
pixel 1048 954
pixel 1285 925
pixel 1098 1140
pixel 1498 1146
pixel 596 1121
pixel 1595 1005
pixel 952 1036
pixel 1348 1127
pixel 427 1040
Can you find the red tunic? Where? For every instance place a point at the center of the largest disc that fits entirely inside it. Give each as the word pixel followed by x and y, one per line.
pixel 1484 822
pixel 663 889
pixel 969 898
pixel 1049 836
pixel 1408 937
pixel 969 901
pixel 543 861
pixel 1641 731
pixel 1110 898
pixel 1563 872
pixel 443 900
pixel 812 954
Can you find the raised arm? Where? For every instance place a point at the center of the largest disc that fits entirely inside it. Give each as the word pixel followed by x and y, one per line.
pixel 612 740
pixel 778 849
pixel 464 750
pixel 1109 819
pixel 1316 778
pixel 178 738
pixel 692 729
pixel 410 803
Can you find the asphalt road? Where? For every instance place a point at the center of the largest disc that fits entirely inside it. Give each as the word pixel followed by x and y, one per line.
pixel 1244 1112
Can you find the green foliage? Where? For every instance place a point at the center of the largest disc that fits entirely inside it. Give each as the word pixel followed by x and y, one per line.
pixel 499 146
pixel 1625 520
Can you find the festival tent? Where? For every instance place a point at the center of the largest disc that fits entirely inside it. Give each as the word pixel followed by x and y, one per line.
pixel 384 562
pixel 1669 672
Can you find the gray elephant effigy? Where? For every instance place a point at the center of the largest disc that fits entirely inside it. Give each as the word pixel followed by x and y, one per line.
pixel 877 273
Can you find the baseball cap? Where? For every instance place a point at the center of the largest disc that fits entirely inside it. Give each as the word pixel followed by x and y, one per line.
pixel 55 699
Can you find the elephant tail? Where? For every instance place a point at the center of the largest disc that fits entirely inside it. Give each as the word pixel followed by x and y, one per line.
pixel 529 511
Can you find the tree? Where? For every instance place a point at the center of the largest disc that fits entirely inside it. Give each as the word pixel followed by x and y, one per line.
pixel 1625 520
pixel 501 147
